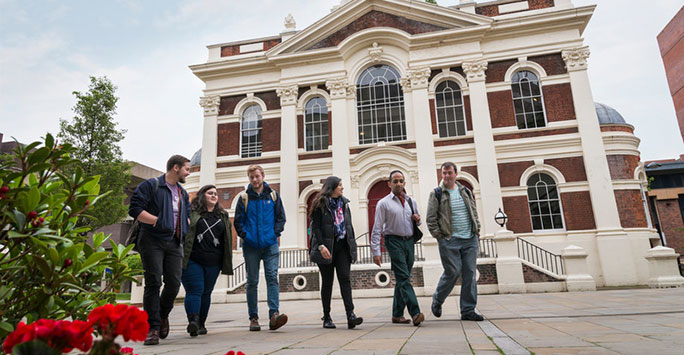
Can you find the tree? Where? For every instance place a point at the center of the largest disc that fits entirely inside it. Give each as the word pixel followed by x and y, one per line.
pixel 94 135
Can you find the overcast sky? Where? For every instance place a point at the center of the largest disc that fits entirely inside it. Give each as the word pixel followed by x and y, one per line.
pixel 49 49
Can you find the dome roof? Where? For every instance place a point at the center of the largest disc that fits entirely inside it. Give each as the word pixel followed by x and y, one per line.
pixel 608 115
pixel 196 159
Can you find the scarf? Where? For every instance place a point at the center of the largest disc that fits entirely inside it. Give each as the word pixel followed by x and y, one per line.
pixel 336 205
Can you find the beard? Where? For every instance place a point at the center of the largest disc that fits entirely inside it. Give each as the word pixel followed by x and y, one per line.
pixel 181 179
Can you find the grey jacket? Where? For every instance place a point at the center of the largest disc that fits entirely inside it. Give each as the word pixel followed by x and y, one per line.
pixel 439 212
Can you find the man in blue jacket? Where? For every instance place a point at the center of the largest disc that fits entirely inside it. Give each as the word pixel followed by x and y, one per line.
pixel 162 207
pixel 259 220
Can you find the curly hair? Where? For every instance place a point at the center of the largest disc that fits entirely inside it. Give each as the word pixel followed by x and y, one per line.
pixel 199 202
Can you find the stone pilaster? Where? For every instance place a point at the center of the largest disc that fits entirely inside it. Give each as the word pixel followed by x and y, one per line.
pixel 340 92
pixel 210 104
pixel 288 164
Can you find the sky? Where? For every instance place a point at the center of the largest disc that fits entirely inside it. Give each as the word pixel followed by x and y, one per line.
pixel 48 49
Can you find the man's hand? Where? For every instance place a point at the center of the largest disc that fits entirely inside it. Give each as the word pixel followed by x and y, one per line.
pixel 416 217
pixel 377 260
pixel 325 253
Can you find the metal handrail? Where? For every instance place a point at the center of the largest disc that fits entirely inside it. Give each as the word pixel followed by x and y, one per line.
pixel 540 257
pixel 487 248
pixel 238 278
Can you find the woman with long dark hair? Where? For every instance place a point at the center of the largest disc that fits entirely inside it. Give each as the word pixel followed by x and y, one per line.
pixel 208 250
pixel 332 233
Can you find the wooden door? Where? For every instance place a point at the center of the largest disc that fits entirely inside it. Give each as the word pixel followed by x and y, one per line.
pixel 375 194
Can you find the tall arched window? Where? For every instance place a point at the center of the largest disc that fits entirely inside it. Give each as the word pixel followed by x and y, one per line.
pixel 449 108
pixel 316 124
pixel 251 132
pixel 380 105
pixel 545 206
pixel 527 100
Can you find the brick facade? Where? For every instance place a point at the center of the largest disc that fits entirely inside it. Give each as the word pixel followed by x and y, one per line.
pixel 553 64
pixel 493 10
pixel 671 224
pixel 572 168
pixel 286 282
pixel 228 139
pixel 270 98
pixel 501 109
pixel 270 134
pixel 433 116
pixel 622 166
pixel 617 128
pixel 509 173
pixel 227 51
pixel 245 164
pixel 365 279
pixel 577 210
pixel 631 209
pixel 228 103
pixel 496 71
pixel 304 184
pixel 488 275
pixel 558 103
pixel 271 43
pixel 376 19
pixel 531 275
pixel 468 113
pixel 535 133
pixel 518 211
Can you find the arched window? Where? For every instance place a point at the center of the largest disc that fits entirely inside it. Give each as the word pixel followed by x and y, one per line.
pixel 545 206
pixel 316 124
pixel 251 132
pixel 380 105
pixel 449 108
pixel 527 100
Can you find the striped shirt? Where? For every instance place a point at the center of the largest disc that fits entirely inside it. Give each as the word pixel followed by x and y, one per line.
pixel 460 218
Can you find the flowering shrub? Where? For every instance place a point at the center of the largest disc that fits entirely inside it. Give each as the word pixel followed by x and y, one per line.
pixel 50 267
pixel 47 336
pixel 232 352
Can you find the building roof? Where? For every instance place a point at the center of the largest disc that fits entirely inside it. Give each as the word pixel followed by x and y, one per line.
pixel 608 115
pixel 196 159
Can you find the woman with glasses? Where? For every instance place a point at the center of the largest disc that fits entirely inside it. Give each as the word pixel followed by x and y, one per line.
pixel 207 251
pixel 332 234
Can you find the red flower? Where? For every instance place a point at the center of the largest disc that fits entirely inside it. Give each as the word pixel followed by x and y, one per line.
pixel 63 336
pixel 127 321
pixel 4 190
pixel 126 350
pixel 22 334
pixel 31 215
pixel 67 262
pixel 232 352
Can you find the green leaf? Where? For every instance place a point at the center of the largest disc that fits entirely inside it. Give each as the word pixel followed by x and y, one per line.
pixel 54 256
pixel 6 326
pixel 49 141
pixel 44 268
pixel 33 198
pixel 93 259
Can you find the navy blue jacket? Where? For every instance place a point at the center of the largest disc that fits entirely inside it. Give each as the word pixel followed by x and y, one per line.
pixel 159 204
pixel 261 226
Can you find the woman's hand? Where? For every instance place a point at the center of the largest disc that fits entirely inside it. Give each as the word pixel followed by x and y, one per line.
pixel 325 252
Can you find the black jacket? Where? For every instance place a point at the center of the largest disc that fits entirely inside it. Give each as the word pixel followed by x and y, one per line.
pixel 158 201
pixel 322 228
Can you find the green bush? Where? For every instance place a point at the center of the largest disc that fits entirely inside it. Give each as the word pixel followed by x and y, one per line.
pixel 47 267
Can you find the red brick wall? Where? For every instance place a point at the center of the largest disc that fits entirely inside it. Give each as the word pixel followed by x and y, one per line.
pixel 227 51
pixel 631 209
pixel 228 139
pixel 571 168
pixel 671 224
pixel 303 185
pixel 248 163
pixel 365 279
pixel 493 10
pixel 489 10
pixel 300 131
pixel 622 166
pixel 270 134
pixel 271 43
pixel 472 170
pixel 468 114
pixel 488 274
pixel 671 43
pixel 315 156
pixel 433 116
pixel 454 141
pixel 496 71
pixel 531 276
pixel 558 102
pixel 270 98
pixel 553 64
pixel 509 173
pixel 577 210
pixel 540 4
pixel 616 128
pixel 518 211
pixel 501 108
pixel 233 191
pixel 528 134
pixel 285 282
pixel 376 19
pixel 227 105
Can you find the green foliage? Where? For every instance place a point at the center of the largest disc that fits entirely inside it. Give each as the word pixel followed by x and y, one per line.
pixel 133 261
pixel 431 1
pixel 47 267
pixel 95 137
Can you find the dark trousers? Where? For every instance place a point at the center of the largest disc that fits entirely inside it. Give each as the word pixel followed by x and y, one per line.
pixel 401 254
pixel 199 281
pixel 342 263
pixel 160 258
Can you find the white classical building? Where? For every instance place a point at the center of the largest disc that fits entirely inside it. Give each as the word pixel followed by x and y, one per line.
pixel 500 88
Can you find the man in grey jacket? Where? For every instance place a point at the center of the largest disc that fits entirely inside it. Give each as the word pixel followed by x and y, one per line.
pixel 452 220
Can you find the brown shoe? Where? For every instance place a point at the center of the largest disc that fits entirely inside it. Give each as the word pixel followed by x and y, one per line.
pixel 400 320
pixel 418 318
pixel 254 325
pixel 164 328
pixel 277 321
pixel 152 337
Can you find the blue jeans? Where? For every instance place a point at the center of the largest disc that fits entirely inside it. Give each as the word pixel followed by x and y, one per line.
pixel 253 256
pixel 459 258
pixel 199 281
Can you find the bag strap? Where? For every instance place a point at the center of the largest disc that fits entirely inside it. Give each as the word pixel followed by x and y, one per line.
pixel 438 193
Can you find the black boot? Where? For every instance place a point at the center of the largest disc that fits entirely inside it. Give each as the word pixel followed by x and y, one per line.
pixel 193 324
pixel 353 320
pixel 202 328
pixel 327 322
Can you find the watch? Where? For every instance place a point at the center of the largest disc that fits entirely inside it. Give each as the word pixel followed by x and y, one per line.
pixel 320 247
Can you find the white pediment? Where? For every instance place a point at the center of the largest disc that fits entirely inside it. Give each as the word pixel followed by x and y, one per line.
pixel 351 17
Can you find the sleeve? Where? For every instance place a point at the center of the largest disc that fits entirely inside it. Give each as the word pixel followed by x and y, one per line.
pixel 432 217
pixel 279 223
pixel 239 215
pixel 140 199
pixel 316 229
pixel 377 228
pixel 473 208
pixel 415 209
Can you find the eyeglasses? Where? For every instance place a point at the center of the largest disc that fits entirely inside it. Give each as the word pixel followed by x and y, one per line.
pixel 401 181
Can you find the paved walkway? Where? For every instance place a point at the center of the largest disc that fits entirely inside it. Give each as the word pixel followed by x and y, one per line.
pixel 635 321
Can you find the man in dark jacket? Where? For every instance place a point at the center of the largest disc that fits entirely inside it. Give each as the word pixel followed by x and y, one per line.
pixel 259 220
pixel 162 207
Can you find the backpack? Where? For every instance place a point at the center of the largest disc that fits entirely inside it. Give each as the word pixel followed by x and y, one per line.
pixel 134 232
pixel 245 198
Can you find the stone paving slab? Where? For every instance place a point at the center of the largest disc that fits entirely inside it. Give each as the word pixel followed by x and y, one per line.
pixel 639 321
